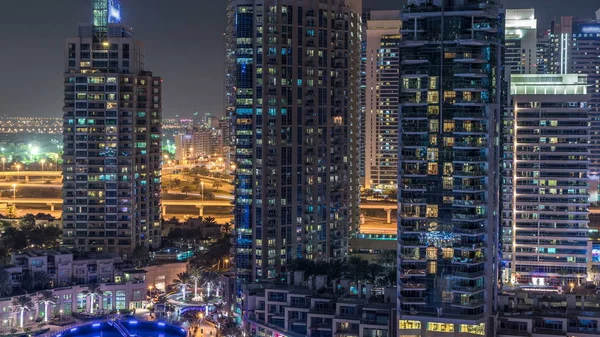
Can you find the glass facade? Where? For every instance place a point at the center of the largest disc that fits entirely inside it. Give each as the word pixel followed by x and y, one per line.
pixel 450 108
pixel 297 128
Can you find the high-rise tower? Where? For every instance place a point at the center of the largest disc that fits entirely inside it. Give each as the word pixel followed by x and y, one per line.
pixel 382 84
pixel 521 41
pixel 576 44
pixel 112 139
pixel 448 195
pixel 546 154
pixel 296 128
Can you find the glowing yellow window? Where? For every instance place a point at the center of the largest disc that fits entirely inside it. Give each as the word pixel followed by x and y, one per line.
pixel 431 267
pixel 408 324
pixel 432 169
pixel 433 110
pixel 447 253
pixel 467 96
pixel 433 82
pixel 448 126
pixel 447 183
pixel 432 154
pixel 448 169
pixel 433 97
pixel 440 327
pixel 449 96
pixel 431 253
pixel 432 211
pixel 448 141
pixel 473 329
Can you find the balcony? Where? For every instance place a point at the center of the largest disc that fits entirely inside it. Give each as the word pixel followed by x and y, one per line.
pixel 469 72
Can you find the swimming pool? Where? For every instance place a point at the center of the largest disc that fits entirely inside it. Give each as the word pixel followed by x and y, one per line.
pixel 133 327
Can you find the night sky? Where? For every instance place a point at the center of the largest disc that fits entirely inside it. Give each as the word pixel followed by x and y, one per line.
pixel 183 42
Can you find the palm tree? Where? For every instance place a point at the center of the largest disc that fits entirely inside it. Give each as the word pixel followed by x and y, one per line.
pixel 212 280
pixel 216 184
pixel 210 221
pixel 388 278
pixel 355 270
pixel 21 304
pixel 183 281
pixel 373 272
pixel 195 275
pixel 46 297
pixel 227 228
pixel 387 258
pixel 5 284
pixel 93 291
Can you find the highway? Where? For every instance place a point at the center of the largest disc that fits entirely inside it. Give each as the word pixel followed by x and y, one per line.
pixel 49 201
pixel 31 174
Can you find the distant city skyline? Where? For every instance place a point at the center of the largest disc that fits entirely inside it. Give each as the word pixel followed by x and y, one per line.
pixel 184 44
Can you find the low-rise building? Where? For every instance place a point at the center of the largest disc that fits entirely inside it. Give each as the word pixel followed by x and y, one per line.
pixel 549 311
pixel 295 310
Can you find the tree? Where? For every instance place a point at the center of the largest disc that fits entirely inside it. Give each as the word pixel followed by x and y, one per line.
pixel 227 227
pixel 186 189
pixel 21 304
pixel 196 276
pixel 182 281
pixel 139 255
pixel 216 184
pixel 355 270
pixel 46 297
pixel 388 278
pixel 212 280
pixel 41 280
pixel 6 288
pixel 387 258
pixel 373 272
pixel 209 221
pixel 92 291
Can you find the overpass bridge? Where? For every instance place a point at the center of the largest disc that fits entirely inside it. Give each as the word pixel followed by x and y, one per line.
pixel 200 204
pixel 29 174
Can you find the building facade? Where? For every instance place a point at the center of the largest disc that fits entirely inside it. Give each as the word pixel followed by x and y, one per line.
pixel 521 41
pixel 450 113
pixel 381 99
pixel 302 311
pixel 545 185
pixel 112 139
pixel 296 129
pixel 576 44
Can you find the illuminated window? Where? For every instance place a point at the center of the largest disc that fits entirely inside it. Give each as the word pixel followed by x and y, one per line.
pixel 440 327
pixel 447 183
pixel 432 168
pixel 433 97
pixel 432 154
pixel 448 126
pixel 448 169
pixel 467 96
pixel 431 267
pixel 432 211
pixel 448 141
pixel 473 329
pixel 433 110
pixel 408 324
pixel 431 253
pixel 448 199
pixel 449 96
pixel 449 55
pixel 434 125
pixel 433 82
pixel 447 253
pixel 111 105
pixel 433 139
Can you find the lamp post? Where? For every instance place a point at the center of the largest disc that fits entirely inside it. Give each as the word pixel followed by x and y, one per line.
pixel 3 163
pixel 61 315
pixel 43 161
pixel 202 185
pixel 14 186
pixel 18 172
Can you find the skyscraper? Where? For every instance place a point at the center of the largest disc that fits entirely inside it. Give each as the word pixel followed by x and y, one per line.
pixel 576 44
pixel 381 98
pixel 545 213
pixel 296 124
pixel 112 139
pixel 521 41
pixel 450 110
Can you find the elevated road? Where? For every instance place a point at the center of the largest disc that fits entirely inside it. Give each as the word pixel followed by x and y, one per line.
pixel 31 174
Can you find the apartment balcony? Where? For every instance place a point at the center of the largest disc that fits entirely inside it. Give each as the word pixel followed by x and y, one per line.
pixel 412 299
pixel 467 261
pixel 470 58
pixel 469 115
pixel 470 174
pixel 468 203
pixel 414 272
pixel 468 189
pixel 469 72
pixel 470 159
pixel 468 275
pixel 474 303
pixel 473 102
pixel 411 243
pixel 409 60
pixel 413 286
pixel 467 289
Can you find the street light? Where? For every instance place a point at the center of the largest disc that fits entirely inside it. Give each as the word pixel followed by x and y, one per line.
pixel 3 163
pixel 14 195
pixel 43 161
pixel 18 172
pixel 61 315
pixel 202 184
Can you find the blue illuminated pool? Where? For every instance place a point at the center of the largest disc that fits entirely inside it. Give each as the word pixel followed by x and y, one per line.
pixel 135 328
